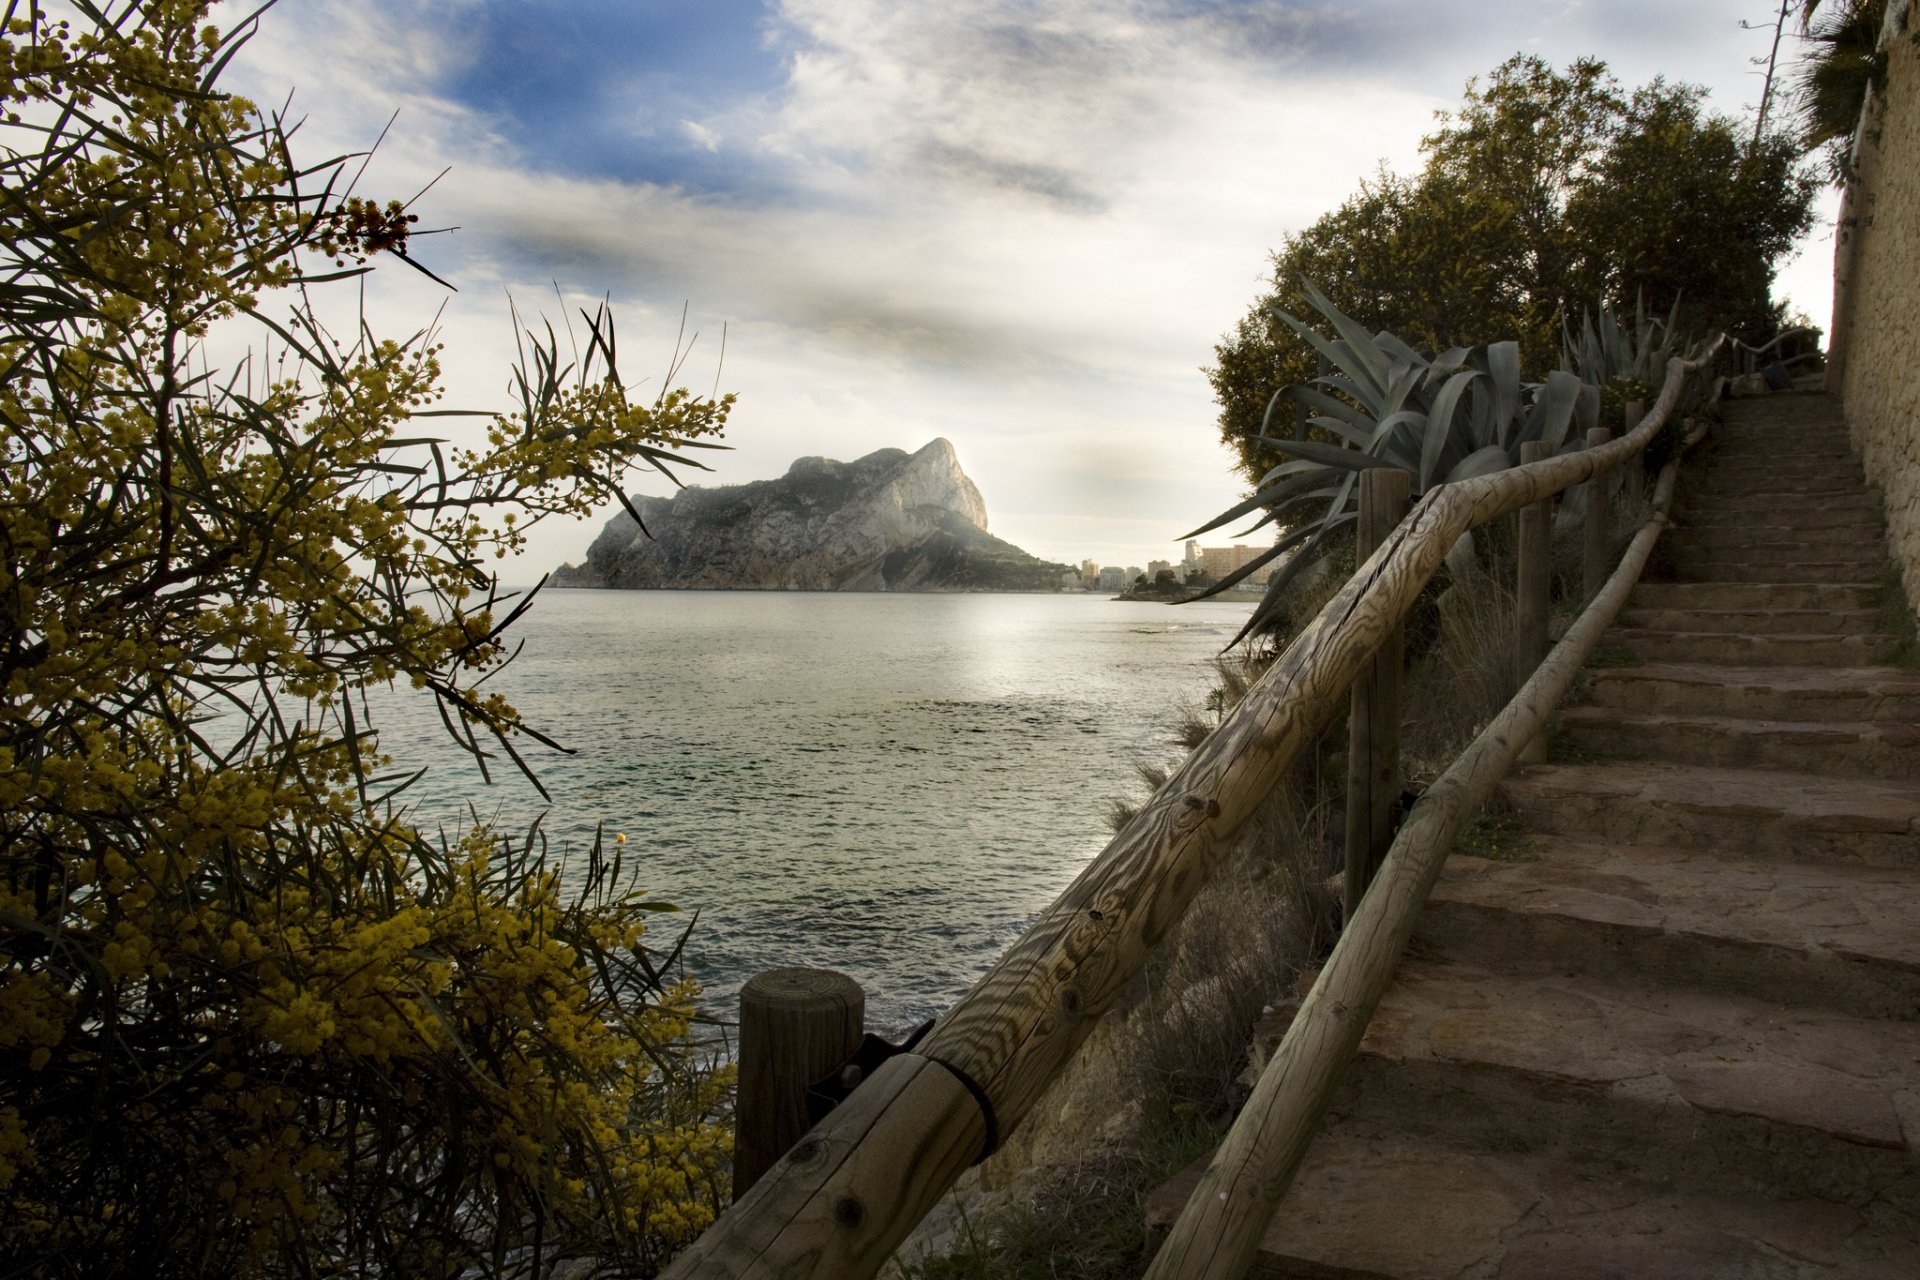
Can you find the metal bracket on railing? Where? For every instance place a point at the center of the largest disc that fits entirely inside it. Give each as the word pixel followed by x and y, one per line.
pixel 832 1090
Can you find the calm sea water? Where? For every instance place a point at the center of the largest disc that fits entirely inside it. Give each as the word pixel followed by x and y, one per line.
pixel 888 785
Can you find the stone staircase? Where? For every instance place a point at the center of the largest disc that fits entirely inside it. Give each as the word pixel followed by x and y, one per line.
pixel 1679 1034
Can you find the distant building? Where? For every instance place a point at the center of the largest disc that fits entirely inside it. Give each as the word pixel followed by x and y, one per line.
pixel 1073 580
pixel 1133 572
pixel 1114 578
pixel 1191 560
pixel 1218 562
pixel 1155 566
pixel 1089 575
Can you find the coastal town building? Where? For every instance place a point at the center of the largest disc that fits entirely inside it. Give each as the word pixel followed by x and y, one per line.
pixel 1218 562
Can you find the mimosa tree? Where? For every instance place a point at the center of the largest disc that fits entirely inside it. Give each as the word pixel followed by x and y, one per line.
pixel 252 1022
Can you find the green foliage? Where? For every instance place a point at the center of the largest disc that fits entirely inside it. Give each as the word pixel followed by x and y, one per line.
pixel 251 1021
pixel 1844 63
pixel 1545 191
pixel 1462 414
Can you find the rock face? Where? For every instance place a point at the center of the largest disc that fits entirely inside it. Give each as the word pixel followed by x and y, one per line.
pixel 891 521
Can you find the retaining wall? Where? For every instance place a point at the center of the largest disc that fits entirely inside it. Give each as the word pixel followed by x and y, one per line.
pixel 1876 322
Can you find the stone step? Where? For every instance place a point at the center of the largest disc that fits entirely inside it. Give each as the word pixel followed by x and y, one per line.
pixel 1836 748
pixel 1729 476
pixel 1707 1090
pixel 1370 1203
pixel 1829 596
pixel 1758 621
pixel 1763 494
pixel 1781 569
pixel 1724 538
pixel 1818 544
pixel 1742 649
pixel 1781 509
pixel 1764 693
pixel 1826 595
pixel 1837 937
pixel 1863 518
pixel 1767 814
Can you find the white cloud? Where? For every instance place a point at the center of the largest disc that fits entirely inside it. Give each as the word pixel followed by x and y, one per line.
pixel 701 135
pixel 1018 225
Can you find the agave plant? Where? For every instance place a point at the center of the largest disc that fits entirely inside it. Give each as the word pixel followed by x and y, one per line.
pixel 1607 352
pixel 1461 414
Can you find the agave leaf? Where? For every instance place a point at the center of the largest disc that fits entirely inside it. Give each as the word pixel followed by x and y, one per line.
pixel 1503 370
pixel 1317 399
pixel 1481 462
pixel 1450 360
pixel 1360 437
pixel 1586 409
pixel 1553 409
pixel 1389 442
pixel 1269 606
pixel 1397 349
pixel 1360 385
pixel 1266 496
pixel 1440 423
pixel 1285 469
pixel 1266 557
pixel 1403 382
pixel 1358 339
pixel 1328 455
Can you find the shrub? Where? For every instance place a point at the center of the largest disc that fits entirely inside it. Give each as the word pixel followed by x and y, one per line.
pixel 251 1021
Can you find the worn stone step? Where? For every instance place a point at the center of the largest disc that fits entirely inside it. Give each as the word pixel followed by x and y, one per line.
pixel 1864 518
pixel 1745 439
pixel 1720 539
pixel 1371 1203
pixel 1755 474
pixel 1709 1090
pixel 1857 511
pixel 1654 645
pixel 1738 812
pixel 1837 748
pixel 1837 937
pixel 1781 544
pixel 1766 693
pixel 1765 494
pixel 1784 568
pixel 1862 594
pixel 1758 621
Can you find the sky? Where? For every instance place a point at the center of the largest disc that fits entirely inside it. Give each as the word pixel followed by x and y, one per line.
pixel 1018 224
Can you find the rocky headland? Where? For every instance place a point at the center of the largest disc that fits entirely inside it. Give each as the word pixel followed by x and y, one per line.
pixel 891 521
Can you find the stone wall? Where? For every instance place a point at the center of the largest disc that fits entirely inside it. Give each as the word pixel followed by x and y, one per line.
pixel 1876 322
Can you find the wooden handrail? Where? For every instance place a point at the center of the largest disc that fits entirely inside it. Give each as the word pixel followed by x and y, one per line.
pixel 1219 1230
pixel 841 1201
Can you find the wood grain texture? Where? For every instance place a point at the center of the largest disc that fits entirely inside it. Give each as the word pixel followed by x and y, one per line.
pixel 1219 1231
pixel 1635 477
pixel 796 1026
pixel 1018 1026
pixel 840 1202
pixel 1596 558
pixel 1533 588
pixel 1373 716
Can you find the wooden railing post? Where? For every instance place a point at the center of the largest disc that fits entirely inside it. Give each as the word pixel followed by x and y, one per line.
pixel 1596 564
pixel 1636 470
pixel 796 1026
pixel 1373 720
pixel 1533 587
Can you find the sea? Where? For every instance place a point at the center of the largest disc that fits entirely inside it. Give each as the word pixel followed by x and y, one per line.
pixel 892 786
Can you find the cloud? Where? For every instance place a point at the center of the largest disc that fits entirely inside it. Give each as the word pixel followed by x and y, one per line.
pixel 1018 223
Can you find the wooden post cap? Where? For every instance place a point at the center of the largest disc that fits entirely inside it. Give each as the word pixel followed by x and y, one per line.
pixel 797 1026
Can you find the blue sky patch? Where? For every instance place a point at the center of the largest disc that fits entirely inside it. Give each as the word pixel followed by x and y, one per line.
pixel 600 88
